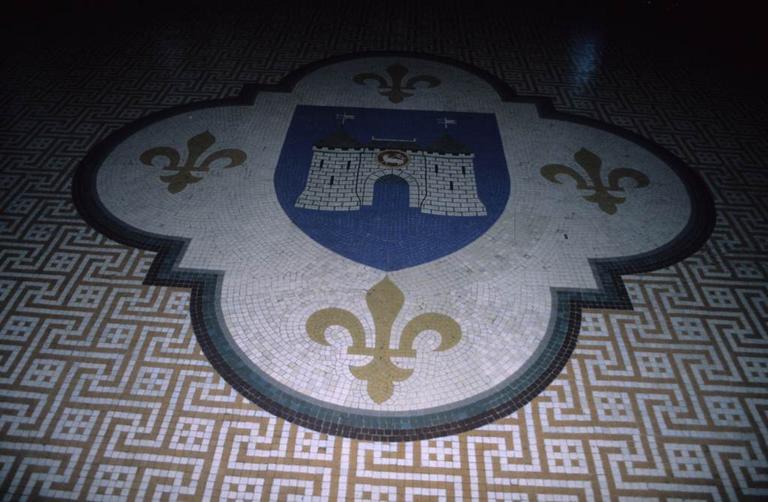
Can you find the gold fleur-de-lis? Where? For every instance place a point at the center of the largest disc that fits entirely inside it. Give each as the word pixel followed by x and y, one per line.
pixel 592 164
pixel 385 300
pixel 196 146
pixel 395 89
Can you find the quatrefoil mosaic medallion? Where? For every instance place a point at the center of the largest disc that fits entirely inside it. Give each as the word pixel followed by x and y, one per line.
pixel 391 246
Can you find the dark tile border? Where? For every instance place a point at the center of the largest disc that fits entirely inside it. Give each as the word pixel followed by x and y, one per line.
pixel 567 304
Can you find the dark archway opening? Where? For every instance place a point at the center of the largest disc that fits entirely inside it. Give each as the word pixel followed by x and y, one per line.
pixel 390 193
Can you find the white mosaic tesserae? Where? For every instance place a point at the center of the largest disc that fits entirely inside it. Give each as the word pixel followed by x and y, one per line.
pixel 175 326
pixel 404 280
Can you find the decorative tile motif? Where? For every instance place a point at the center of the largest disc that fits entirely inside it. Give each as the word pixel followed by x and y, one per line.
pixel 196 147
pixel 601 193
pixel 709 390
pixel 467 318
pixel 384 301
pixel 438 197
pixel 343 173
pixel 392 85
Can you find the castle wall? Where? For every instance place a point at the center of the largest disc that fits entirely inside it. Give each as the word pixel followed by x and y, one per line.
pixel 343 180
pixel 331 184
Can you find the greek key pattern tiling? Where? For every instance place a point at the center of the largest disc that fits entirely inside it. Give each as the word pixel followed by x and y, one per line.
pixel 105 393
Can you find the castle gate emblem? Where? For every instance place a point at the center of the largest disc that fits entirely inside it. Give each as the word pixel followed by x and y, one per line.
pixel 441 176
pixel 391 246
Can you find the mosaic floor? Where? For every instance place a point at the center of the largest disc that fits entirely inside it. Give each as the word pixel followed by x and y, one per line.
pixel 243 267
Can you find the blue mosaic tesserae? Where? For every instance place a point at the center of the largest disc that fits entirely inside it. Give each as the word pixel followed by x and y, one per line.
pixel 395 229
